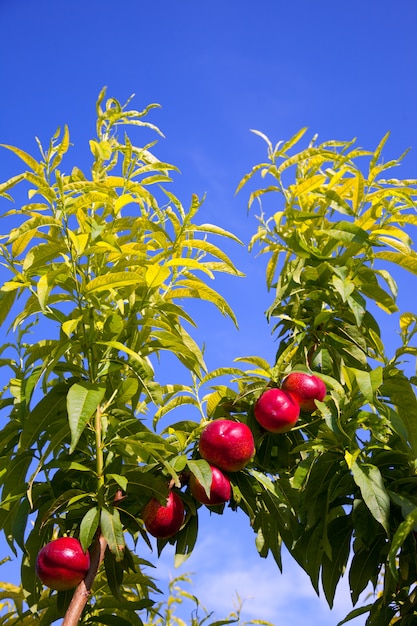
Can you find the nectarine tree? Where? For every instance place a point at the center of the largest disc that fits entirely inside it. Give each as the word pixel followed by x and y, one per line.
pixel 345 475
pixel 103 263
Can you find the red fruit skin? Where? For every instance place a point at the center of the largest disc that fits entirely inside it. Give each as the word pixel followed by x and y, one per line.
pixel 164 521
pixel 62 564
pixel 305 388
pixel 220 489
pixel 227 444
pixel 276 411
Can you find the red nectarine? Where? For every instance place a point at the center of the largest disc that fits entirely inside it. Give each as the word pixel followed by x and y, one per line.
pixel 163 521
pixel 220 489
pixel 227 444
pixel 62 563
pixel 276 410
pixel 305 388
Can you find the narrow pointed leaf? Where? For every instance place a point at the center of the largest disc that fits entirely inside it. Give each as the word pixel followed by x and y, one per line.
pixel 112 530
pixel 88 527
pixel 369 480
pixel 112 280
pixel 25 157
pixel 48 410
pixel 83 400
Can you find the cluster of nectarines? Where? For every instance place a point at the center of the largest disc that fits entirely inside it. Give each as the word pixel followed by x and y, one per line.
pixel 277 410
pixel 227 446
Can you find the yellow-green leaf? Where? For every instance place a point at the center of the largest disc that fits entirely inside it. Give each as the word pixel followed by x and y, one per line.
pixel 112 280
pixel 25 157
pixel 156 274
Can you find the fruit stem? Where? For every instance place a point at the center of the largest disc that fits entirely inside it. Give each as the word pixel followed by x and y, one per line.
pixel 83 591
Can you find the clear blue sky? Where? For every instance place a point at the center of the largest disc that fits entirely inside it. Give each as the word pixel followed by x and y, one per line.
pixel 219 68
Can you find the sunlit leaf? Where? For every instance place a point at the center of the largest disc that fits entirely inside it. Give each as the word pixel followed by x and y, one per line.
pixel 407 261
pixel 25 157
pixel 83 400
pixel 113 280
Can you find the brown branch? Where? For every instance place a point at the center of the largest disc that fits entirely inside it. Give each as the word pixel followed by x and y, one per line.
pixel 83 591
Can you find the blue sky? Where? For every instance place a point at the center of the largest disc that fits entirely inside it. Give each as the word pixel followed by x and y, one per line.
pixel 219 69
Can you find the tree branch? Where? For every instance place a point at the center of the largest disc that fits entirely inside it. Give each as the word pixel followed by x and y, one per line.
pixel 82 593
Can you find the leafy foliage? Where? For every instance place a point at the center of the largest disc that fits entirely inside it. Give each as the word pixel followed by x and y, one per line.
pixel 163 613
pixel 103 263
pixel 345 477
pixel 106 262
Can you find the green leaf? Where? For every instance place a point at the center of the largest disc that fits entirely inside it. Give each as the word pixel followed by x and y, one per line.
pixel 379 295
pixel 127 390
pixel 370 482
pixel 119 480
pixel 112 530
pixel 347 232
pixel 186 540
pixel 355 613
pixel 7 299
pixel 216 230
pixel 62 147
pixel 400 391
pixel 64 500
pixel 367 383
pixel 119 346
pixel 83 399
pixel 190 264
pixel 365 567
pixel 31 227
pixel 343 287
pixel 145 485
pixel 88 527
pixel 401 534
pixel 184 347
pixel 11 182
pixel 48 411
pixel 377 153
pixel 202 471
pixel 308 185
pixel 173 404
pixel 114 574
pixel 156 275
pixel 339 534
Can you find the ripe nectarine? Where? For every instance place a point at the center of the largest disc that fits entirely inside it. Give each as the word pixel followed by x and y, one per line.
pixel 62 563
pixel 220 489
pixel 276 410
pixel 227 444
pixel 164 521
pixel 305 388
